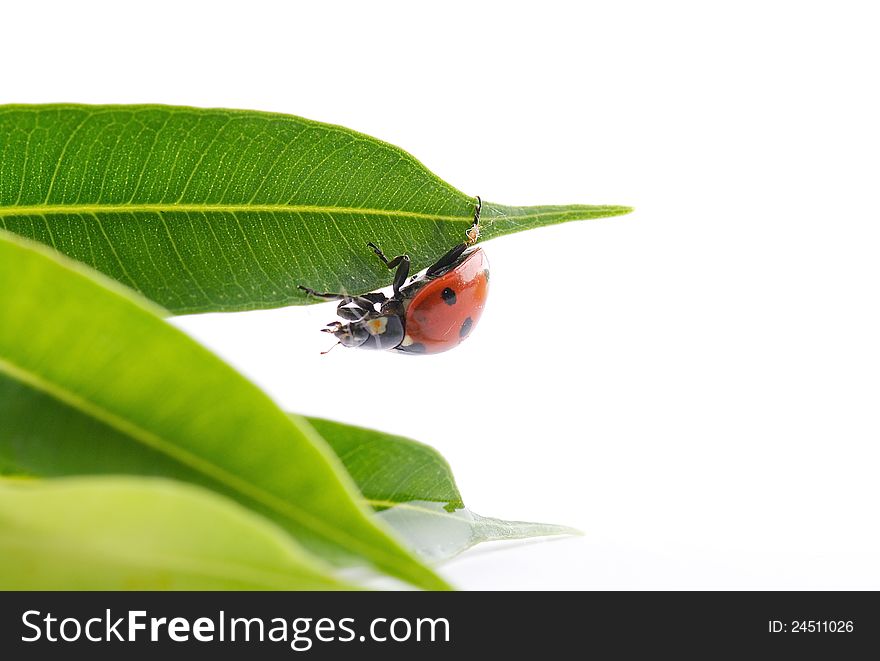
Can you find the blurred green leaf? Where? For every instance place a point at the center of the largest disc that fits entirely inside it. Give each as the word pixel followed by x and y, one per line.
pixel 218 210
pixel 412 487
pixel 392 472
pixel 79 354
pixel 143 534
pixel 388 469
pixel 436 534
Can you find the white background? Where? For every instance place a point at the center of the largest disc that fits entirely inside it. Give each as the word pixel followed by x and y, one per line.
pixel 695 385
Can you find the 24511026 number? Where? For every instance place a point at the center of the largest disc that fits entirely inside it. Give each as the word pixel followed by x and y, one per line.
pixel 821 626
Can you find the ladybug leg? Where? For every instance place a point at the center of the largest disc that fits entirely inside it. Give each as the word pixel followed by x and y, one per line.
pixel 472 235
pixel 379 253
pixel 401 263
pixel 374 297
pixel 352 308
pixel 447 260
pixel 352 312
pixel 364 299
pixel 401 274
pixel 317 294
pixel 355 308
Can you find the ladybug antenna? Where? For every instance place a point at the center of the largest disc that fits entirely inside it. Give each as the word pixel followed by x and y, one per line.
pixel 473 234
pixel 324 353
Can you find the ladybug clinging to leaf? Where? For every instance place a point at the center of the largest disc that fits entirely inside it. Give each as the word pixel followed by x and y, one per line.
pixel 432 313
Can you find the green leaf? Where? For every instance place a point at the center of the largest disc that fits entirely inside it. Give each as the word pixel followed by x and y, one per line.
pixel 409 483
pixel 143 534
pixel 75 346
pixel 435 534
pixel 219 210
pixel 414 491
pixel 390 470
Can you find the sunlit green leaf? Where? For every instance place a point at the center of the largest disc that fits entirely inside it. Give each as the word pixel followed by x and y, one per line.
pixel 216 210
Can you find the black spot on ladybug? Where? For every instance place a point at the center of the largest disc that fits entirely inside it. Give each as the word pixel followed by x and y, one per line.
pixel 466 326
pixel 448 296
pixel 415 347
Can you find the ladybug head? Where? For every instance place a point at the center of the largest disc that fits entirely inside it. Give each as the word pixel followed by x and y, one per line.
pixel 372 332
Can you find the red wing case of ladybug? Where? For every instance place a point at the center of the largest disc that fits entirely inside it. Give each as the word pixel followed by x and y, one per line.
pixel 442 311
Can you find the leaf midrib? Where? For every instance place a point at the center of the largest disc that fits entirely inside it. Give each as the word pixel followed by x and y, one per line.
pixel 54 209
pixel 197 463
pixel 12 210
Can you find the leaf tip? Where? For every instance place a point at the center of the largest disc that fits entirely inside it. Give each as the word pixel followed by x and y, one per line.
pixel 618 210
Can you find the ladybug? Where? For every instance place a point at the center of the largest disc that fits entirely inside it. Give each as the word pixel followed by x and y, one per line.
pixel 432 313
